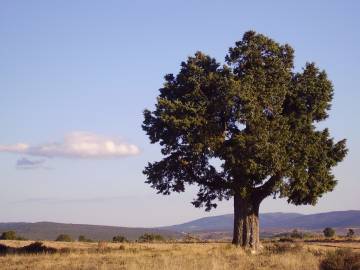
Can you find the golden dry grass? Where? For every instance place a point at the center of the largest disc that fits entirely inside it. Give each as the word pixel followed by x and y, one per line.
pixel 165 256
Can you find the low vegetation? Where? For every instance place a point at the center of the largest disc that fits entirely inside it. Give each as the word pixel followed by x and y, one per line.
pixel 10 235
pixel 33 248
pixel 151 237
pixel 294 235
pixel 350 233
pixel 190 238
pixel 82 238
pixel 329 232
pixel 64 238
pixel 119 239
pixel 298 255
pixel 341 259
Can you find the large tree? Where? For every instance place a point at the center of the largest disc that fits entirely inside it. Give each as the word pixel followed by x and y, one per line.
pixel 244 130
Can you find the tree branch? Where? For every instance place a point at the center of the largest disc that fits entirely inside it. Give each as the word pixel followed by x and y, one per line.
pixel 267 188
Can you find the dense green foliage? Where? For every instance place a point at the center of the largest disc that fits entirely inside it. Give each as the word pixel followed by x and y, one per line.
pixel 64 238
pixel 151 237
pixel 248 127
pixel 10 235
pixel 329 232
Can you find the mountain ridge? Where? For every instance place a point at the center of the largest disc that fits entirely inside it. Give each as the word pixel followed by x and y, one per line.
pixel 269 222
pixel 279 220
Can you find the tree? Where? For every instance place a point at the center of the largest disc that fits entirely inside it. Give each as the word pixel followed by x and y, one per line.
pixel 296 234
pixel 244 130
pixel 64 238
pixel 119 239
pixel 82 238
pixel 151 237
pixel 350 233
pixel 329 232
pixel 9 235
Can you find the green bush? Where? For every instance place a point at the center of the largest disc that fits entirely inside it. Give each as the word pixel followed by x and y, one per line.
pixel 10 235
pixel 151 237
pixel 329 232
pixel 64 238
pixel 119 239
pixel 341 259
pixel 82 238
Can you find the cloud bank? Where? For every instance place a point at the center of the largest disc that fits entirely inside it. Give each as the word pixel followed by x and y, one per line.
pixel 28 164
pixel 77 145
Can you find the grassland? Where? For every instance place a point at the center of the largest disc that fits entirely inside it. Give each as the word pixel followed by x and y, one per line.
pixel 289 256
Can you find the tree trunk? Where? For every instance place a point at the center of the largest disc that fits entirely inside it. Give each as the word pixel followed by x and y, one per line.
pixel 246 223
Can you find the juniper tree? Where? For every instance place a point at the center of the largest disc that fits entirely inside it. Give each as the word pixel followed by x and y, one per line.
pixel 244 130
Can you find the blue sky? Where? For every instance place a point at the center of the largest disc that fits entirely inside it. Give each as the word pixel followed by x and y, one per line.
pixel 84 70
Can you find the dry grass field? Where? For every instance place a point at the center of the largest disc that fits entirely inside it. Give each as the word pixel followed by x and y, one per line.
pixel 289 256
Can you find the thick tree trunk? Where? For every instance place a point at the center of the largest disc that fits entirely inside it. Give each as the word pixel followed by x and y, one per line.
pixel 246 223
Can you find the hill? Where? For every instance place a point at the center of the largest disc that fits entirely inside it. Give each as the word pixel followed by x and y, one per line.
pixel 269 223
pixel 50 230
pixel 276 221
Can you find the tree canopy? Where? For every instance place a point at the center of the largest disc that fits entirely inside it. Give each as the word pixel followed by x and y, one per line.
pixel 256 115
pixel 247 127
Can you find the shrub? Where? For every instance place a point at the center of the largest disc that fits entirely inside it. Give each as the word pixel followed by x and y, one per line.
pixel 37 247
pixel 329 232
pixel 296 234
pixel 9 235
pixel 82 238
pixel 341 259
pixel 286 239
pixel 151 237
pixel 64 238
pixel 284 247
pixel 350 233
pixel 119 239
pixel 4 249
pixel 189 238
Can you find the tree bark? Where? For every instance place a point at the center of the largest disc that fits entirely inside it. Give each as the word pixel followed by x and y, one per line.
pixel 246 223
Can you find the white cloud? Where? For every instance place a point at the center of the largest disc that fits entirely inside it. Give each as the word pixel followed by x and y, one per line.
pixel 77 145
pixel 15 148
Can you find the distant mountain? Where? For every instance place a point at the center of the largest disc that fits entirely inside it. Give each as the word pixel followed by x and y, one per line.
pixel 50 230
pixel 271 221
pixel 220 225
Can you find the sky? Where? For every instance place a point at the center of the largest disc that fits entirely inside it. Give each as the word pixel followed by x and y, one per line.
pixel 75 77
